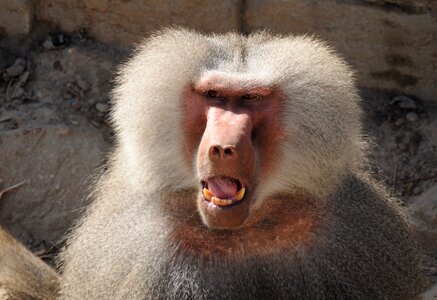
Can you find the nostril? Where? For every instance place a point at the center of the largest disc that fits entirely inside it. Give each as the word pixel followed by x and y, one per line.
pixel 229 152
pixel 215 151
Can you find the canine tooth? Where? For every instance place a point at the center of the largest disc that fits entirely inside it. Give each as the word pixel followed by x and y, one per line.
pixel 240 194
pixel 207 194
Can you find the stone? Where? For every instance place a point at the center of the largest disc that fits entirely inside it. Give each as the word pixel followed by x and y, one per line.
pixel 17 68
pixel 48 44
pixel 57 164
pixel 424 215
pixel 24 78
pixel 83 84
pixel 16 17
pixel 399 122
pixel 75 103
pixel 73 89
pixel 412 117
pixel 74 121
pixel 4 118
pixel 102 107
pixel 18 93
pixel 404 102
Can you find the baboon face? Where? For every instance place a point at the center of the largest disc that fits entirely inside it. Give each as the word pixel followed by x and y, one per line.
pixel 235 132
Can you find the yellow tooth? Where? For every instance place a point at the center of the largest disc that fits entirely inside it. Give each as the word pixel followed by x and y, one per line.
pixel 221 202
pixel 215 200
pixel 207 194
pixel 240 194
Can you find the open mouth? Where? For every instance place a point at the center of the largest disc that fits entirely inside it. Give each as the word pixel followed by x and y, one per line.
pixel 223 191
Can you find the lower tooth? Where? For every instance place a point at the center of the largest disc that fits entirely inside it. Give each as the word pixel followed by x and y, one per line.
pixel 215 200
pixel 221 202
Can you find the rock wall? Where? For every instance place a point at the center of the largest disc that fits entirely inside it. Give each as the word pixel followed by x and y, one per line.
pixel 391 43
pixel 121 21
pixel 393 46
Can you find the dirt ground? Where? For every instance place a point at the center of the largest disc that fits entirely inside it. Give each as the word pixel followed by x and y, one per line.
pixel 61 78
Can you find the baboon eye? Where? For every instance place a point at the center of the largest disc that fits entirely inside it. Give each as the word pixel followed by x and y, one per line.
pixel 251 97
pixel 212 94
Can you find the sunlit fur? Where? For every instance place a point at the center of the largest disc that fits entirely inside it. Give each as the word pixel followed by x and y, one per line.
pixel 23 275
pixel 127 246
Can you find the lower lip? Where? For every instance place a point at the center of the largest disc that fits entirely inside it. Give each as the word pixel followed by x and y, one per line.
pixel 224 217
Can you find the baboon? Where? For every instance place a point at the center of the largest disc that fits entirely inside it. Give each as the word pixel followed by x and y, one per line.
pixel 239 172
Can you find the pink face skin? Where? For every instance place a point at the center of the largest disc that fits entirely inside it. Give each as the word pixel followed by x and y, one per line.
pixel 235 133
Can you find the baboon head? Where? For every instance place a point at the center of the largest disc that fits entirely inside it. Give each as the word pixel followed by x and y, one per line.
pixel 236 118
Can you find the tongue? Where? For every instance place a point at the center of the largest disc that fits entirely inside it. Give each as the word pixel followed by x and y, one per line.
pixel 222 188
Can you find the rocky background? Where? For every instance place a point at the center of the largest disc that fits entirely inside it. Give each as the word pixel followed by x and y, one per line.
pixel 58 58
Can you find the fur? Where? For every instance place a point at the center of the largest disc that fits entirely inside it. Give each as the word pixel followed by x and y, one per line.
pixel 23 275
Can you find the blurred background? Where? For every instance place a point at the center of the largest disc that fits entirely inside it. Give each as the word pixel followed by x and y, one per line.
pixel 58 59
